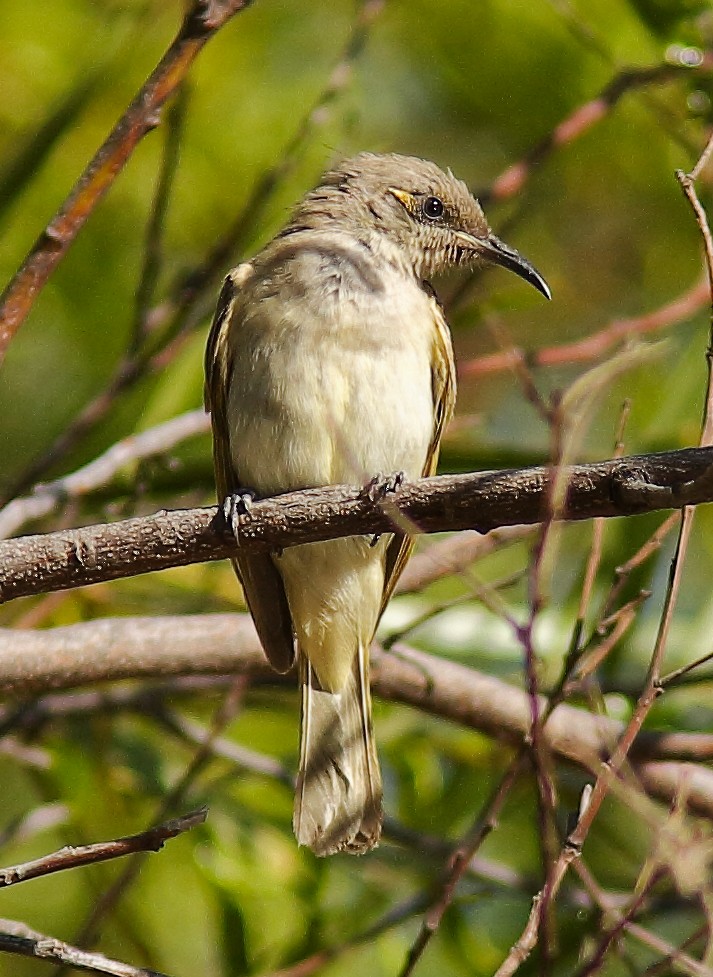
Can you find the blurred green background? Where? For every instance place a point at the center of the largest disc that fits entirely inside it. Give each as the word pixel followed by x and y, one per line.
pixel 473 86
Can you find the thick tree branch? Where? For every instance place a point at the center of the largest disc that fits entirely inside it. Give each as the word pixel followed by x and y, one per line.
pixel 483 501
pixel 122 648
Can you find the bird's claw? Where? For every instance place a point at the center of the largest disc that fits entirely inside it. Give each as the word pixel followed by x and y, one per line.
pixel 379 487
pixel 236 510
pixel 382 485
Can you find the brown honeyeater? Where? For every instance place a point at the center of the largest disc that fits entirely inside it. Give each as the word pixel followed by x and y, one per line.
pixel 329 361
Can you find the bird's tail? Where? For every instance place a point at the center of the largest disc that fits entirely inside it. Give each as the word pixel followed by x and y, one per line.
pixel 338 797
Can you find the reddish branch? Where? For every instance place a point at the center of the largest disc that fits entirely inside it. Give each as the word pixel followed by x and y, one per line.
pixel 201 22
pixel 189 299
pixel 612 769
pixel 599 343
pixel 511 181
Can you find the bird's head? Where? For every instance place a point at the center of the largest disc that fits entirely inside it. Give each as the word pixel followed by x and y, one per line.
pixel 432 217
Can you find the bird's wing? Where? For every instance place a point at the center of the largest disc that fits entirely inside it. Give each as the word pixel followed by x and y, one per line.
pixel 262 584
pixel 443 385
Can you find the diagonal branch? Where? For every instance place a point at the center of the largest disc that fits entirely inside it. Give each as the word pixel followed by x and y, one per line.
pixel 97 473
pixel 20 939
pixel 72 857
pixel 483 501
pixel 203 19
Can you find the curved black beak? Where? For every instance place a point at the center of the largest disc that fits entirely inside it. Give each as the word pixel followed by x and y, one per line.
pixel 493 249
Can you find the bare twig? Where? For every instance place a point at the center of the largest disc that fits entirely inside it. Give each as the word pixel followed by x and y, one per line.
pixel 42 818
pixel 596 960
pixel 459 861
pixel 152 839
pixel 225 712
pixel 203 20
pixel 608 773
pixel 219 746
pixel 652 685
pixel 152 257
pixel 191 295
pixel 598 343
pixel 98 473
pixel 454 555
pixel 674 957
pixel 624 571
pixel 314 963
pixel 615 627
pixel 184 305
pixel 512 180
pixel 537 589
pixel 20 939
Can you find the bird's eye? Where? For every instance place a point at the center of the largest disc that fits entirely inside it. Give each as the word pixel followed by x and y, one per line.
pixel 432 208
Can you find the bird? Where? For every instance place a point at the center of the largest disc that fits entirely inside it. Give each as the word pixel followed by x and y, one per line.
pixel 329 361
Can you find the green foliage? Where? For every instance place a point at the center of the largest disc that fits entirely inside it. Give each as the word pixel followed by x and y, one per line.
pixel 474 87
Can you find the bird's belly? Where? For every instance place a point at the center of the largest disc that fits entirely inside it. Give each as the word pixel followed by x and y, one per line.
pixel 342 416
pixel 325 392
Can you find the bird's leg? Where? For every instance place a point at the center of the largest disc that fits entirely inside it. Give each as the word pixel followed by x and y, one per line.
pixel 236 510
pixel 377 488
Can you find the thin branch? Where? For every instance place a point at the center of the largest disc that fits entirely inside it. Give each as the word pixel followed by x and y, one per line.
pixel 48 497
pixel 538 584
pixel 674 957
pixel 596 959
pixel 202 21
pixel 20 939
pixel 597 344
pixel 652 688
pixel 512 180
pixel 673 677
pixel 152 839
pixel 608 631
pixel 193 292
pixel 608 773
pixel 39 819
pixel 18 169
pixel 453 555
pixel 459 861
pixel 219 746
pixel 155 228
pixel 223 714
pixel 73 558
pixel 687 182
pixel 391 919
pixel 623 572
pixel 184 305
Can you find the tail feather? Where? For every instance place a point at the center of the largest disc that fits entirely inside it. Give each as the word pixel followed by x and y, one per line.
pixel 338 797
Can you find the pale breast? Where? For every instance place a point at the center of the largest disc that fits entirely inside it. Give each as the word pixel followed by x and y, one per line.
pixel 331 369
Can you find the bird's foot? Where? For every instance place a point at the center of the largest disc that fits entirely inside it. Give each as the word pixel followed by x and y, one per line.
pixel 382 485
pixel 236 509
pixel 379 487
